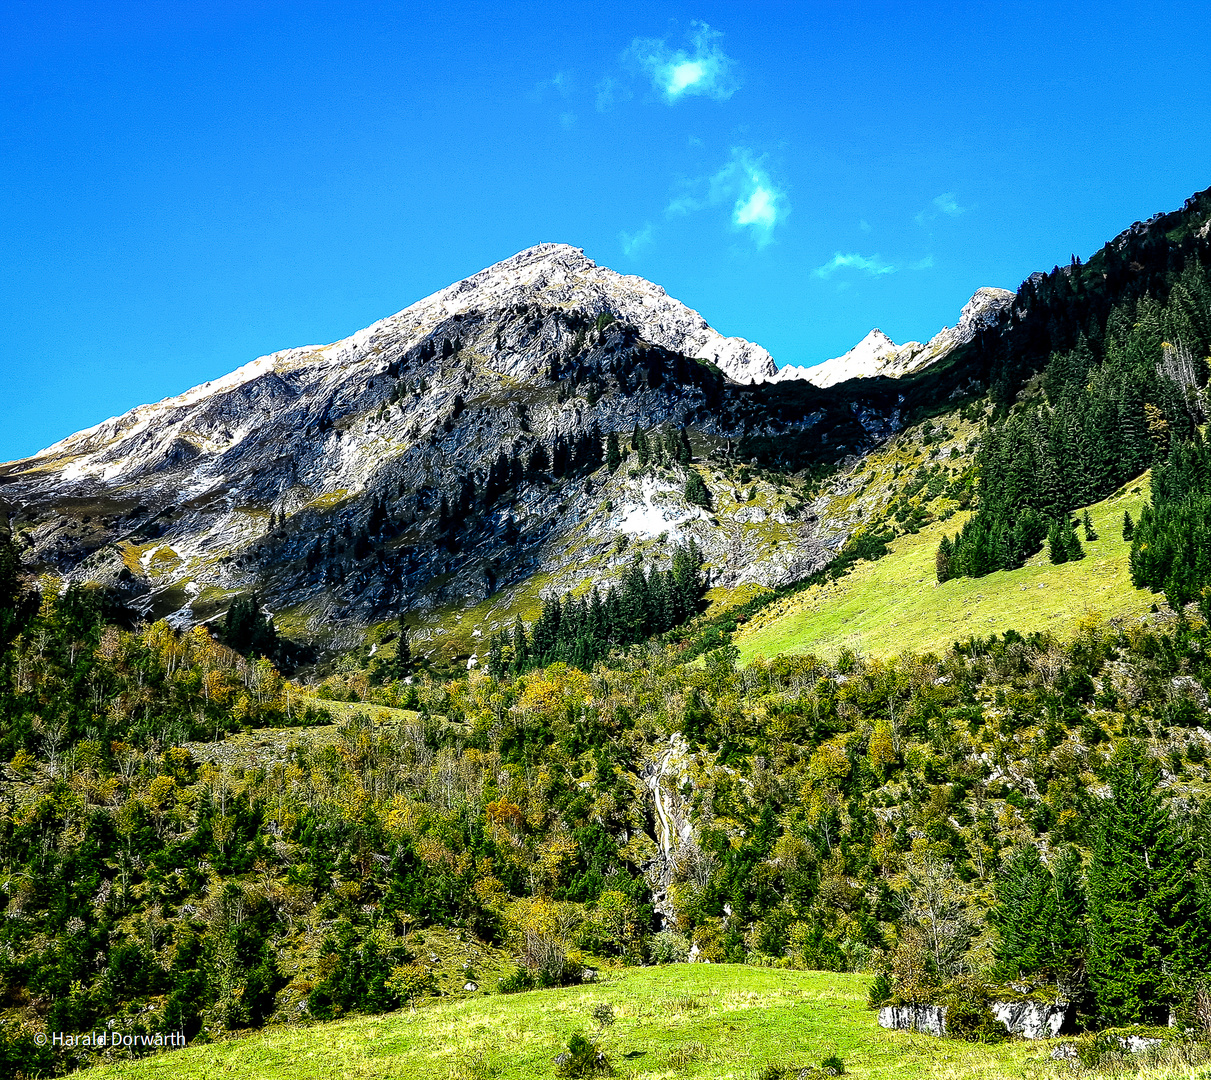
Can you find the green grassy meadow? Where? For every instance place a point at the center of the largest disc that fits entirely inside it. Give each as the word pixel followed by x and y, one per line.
pixel 895 605
pixel 682 1020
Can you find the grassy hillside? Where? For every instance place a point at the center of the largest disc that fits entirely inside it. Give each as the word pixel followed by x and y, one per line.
pixel 683 1020
pixel 896 605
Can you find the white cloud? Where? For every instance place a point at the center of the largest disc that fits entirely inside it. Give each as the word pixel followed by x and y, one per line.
pixel 632 243
pixel 942 204
pixel 760 209
pixel 869 264
pixel 702 69
pixel 757 203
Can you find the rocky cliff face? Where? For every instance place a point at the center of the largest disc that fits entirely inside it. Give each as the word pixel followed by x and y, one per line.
pixel 442 458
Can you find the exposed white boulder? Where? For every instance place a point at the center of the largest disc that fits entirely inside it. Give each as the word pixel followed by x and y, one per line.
pixel 927 1019
pixel 1033 1019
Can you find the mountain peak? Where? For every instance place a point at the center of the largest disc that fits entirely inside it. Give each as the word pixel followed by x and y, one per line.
pixel 562 276
pixel 876 354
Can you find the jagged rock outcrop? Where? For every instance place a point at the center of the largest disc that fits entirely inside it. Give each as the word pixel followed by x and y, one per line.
pixel 876 354
pixel 1029 1019
pixel 1034 1019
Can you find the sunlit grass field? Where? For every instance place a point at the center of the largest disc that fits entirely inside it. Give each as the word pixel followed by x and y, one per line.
pixel 685 1020
pixel 895 605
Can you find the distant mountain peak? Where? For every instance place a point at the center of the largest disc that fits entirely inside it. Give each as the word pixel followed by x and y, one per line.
pixel 876 354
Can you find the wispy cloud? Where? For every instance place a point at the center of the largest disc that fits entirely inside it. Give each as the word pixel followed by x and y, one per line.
pixel 610 92
pixel 701 69
pixel 633 243
pixel 942 204
pixel 757 202
pixel 559 84
pixel 868 264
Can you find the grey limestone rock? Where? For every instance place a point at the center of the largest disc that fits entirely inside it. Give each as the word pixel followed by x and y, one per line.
pixel 926 1019
pixel 1033 1019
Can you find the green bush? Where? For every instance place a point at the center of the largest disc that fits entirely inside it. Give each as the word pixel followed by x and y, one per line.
pixel 969 1017
pixel 880 991
pixel 582 1058
pixel 670 947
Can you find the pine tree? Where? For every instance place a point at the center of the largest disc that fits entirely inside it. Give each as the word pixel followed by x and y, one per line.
pixel 1145 925
pixel 1057 545
pixel 613 452
pixel 403 652
pixel 1128 525
pixel 1090 534
pixel 943 558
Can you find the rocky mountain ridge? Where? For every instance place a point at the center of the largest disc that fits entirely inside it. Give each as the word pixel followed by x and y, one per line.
pixel 448 454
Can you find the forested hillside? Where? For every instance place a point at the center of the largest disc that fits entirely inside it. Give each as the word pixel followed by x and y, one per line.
pixel 828 805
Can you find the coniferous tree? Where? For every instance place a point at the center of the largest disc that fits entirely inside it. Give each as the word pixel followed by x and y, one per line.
pixel 247 630
pixel 942 560
pixel 10 588
pixel 1057 542
pixel 1072 542
pixel 403 652
pixel 639 444
pixel 1128 525
pixel 1040 919
pixel 1146 929
pixel 613 452
pixel 1087 522
pixel 696 491
pixel 539 462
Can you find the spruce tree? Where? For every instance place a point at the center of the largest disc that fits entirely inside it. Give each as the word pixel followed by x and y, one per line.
pixel 943 558
pixel 1072 542
pixel 696 491
pixel 403 652
pixel 1087 522
pixel 1145 924
pixel 1128 525
pixel 1057 542
pixel 1039 916
pixel 613 452
pixel 10 588
pixel 639 443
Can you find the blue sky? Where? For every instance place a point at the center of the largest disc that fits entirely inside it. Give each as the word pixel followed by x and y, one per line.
pixel 185 186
